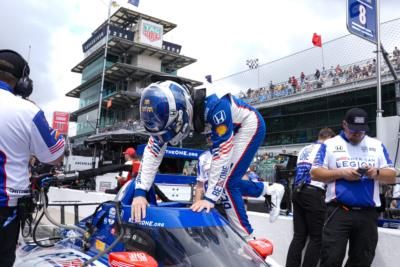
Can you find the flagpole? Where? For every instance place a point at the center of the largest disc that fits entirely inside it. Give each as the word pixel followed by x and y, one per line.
pixel 379 110
pixel 104 68
pixel 317 41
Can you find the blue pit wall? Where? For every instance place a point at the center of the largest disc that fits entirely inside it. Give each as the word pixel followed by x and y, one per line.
pixel 175 153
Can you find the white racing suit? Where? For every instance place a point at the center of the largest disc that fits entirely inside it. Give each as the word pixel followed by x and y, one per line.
pixel 237 132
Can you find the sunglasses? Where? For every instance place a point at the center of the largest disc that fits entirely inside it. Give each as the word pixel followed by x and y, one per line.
pixel 353 131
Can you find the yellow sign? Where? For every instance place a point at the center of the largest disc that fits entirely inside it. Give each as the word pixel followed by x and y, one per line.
pixel 147 101
pixel 100 245
pixel 221 129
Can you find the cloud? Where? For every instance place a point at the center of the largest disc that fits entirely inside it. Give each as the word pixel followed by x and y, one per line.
pixel 30 29
pixel 221 34
pixel 55 31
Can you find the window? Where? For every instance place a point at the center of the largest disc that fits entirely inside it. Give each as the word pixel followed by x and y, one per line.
pixel 301 122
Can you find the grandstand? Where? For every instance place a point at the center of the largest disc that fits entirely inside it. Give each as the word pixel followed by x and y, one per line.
pixel 297 95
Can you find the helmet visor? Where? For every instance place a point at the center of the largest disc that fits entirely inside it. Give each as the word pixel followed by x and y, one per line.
pixel 154 110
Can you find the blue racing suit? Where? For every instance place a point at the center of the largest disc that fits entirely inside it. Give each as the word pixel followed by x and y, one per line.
pixel 237 132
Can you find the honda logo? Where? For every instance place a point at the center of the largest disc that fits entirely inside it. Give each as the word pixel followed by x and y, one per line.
pixel 219 117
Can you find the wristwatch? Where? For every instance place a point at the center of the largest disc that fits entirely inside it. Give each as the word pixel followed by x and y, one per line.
pixel 377 173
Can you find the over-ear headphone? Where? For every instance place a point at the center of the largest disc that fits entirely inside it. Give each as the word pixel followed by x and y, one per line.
pixel 199 96
pixel 20 70
pixel 24 86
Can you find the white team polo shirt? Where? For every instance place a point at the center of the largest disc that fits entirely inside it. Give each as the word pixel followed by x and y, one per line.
pixel 337 153
pixel 24 132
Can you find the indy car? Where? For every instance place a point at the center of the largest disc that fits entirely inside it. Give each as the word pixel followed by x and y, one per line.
pixel 170 235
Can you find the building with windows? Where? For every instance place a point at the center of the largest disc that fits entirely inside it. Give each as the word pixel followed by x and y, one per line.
pixel 136 52
pixel 295 120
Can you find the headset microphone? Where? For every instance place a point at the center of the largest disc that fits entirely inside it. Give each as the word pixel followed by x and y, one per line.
pixel 19 68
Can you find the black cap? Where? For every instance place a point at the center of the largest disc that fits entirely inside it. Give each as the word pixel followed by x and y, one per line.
pixel 14 63
pixel 357 119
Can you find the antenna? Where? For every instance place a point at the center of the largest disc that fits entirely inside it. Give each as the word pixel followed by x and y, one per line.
pixel 29 54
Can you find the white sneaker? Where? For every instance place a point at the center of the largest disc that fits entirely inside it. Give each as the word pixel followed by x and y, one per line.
pixel 276 191
pixel 274 214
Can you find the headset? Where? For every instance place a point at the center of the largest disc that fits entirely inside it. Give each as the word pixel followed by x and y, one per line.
pixel 199 96
pixel 24 85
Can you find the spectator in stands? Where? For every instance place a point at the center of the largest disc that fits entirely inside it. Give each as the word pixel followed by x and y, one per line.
pixel 269 94
pixel 331 74
pixel 309 85
pixel 249 91
pixel 365 72
pixel 335 80
pixel 338 71
pixel 317 74
pixel 323 73
pixel 397 63
pixel 289 86
pixel 319 83
pixel 302 78
pixel 396 52
pixel 266 168
pixel 271 85
pixel 369 68
pixel 334 76
pixel 348 74
pixel 373 66
pixel 357 71
pixel 308 207
pixel 294 84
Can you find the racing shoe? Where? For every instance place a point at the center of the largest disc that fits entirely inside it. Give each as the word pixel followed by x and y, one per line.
pixel 250 237
pixel 276 192
pixel 274 214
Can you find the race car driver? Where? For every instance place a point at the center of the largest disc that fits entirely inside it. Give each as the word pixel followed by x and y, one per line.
pixel 168 112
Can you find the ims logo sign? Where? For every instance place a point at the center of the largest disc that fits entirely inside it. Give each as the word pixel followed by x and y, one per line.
pixel 152 32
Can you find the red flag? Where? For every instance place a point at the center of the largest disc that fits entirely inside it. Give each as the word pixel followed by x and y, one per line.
pixel 109 103
pixel 316 40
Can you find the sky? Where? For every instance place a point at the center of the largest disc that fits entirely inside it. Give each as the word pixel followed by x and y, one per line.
pixel 220 34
